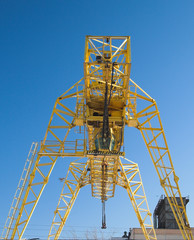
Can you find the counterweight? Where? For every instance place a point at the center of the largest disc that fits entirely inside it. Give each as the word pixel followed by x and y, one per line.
pixel 98 108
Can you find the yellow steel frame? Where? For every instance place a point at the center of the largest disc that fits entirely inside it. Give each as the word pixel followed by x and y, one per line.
pixel 150 125
pixel 77 177
pixel 120 171
pixel 59 128
pixel 19 191
pixel 129 106
pixel 129 177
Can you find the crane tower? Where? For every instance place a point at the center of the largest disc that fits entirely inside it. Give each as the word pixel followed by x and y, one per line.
pixel 87 123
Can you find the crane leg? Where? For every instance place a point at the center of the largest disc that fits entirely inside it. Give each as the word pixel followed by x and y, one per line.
pixel 39 177
pixel 155 140
pixel 77 177
pixel 143 109
pixel 129 178
pixel 54 145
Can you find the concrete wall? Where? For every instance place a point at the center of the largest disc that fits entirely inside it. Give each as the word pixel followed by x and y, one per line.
pixel 162 234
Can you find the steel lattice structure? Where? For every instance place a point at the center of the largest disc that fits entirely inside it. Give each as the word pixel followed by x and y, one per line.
pixel 98 107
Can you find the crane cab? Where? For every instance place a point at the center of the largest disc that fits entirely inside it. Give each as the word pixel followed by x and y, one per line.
pixel 104 143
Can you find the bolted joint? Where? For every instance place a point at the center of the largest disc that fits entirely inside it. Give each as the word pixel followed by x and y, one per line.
pixel 162 182
pixel 187 226
pixel 149 214
pixel 176 178
pixel 46 180
pixel 32 174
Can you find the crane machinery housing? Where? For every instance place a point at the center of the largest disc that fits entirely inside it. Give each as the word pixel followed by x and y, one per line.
pixel 98 108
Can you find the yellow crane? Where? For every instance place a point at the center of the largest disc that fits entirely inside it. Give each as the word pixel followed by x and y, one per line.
pixel 88 123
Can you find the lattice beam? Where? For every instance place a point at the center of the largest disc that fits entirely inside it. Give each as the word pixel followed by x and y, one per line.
pixel 147 119
pixel 129 178
pixel 76 178
pixel 54 145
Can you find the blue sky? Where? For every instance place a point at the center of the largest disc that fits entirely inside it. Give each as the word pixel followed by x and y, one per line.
pixel 42 54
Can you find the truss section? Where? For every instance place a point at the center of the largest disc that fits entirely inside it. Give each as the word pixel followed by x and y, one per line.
pixel 129 178
pixel 103 57
pixel 142 112
pixel 103 173
pixel 13 212
pixel 77 177
pixel 57 142
pixel 106 68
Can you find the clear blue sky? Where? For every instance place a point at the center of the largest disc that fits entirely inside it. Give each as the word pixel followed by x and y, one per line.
pixel 41 55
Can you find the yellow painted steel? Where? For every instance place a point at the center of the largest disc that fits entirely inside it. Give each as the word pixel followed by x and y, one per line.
pixel 123 173
pixel 54 145
pixel 97 108
pixel 19 191
pixel 77 177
